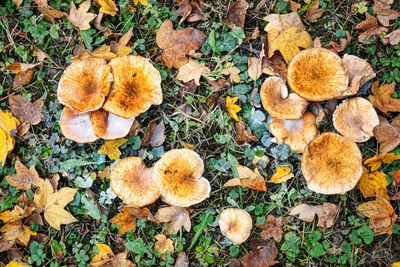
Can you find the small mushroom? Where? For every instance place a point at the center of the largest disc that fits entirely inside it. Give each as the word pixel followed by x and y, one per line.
pixel 355 119
pixel 317 74
pixel 178 175
pixel 279 103
pixel 84 85
pixel 331 164
pixel 132 182
pixel 295 133
pixel 235 224
pixel 77 126
pixel 109 126
pixel 137 85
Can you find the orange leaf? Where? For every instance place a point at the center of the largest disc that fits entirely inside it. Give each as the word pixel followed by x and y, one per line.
pixel 396 177
pixel 373 183
pixel 127 219
pixel 16 230
pixel 108 7
pixel 375 162
pixel 382 97
pixel 104 255
pixel 121 48
pixel 283 173
pixel 248 178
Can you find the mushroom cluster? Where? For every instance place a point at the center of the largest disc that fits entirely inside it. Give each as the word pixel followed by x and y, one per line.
pixel 102 99
pixel 331 163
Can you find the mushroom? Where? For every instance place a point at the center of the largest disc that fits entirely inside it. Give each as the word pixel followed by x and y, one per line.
pixel 355 119
pixel 84 85
pixel 178 175
pixel 235 224
pixel 331 164
pixel 317 74
pixel 277 101
pixel 109 126
pixel 132 181
pixel 359 71
pixel 137 85
pixel 77 126
pixel 295 133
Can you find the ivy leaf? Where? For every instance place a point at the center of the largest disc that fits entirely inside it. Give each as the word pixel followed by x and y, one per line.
pixel 91 207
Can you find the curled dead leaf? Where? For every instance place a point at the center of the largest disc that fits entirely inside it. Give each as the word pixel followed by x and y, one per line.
pixel 236 14
pixel 248 178
pixel 26 111
pixel 382 97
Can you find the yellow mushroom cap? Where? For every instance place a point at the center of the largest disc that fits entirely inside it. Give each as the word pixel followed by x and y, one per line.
pixel 132 182
pixel 355 119
pixel 109 126
pixel 277 101
pixel 77 126
pixel 178 175
pixel 331 164
pixel 235 224
pixel 85 85
pixel 295 133
pixel 317 74
pixel 137 85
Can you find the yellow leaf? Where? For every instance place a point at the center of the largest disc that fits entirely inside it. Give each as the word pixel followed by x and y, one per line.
pixel 16 230
pixel 248 178
pixel 283 173
pixel 396 264
pixel 6 146
pixel 373 183
pixel 16 214
pixel 163 244
pixel 232 107
pixel 8 123
pixel 192 71
pixel 143 2
pixel 15 264
pixel 108 7
pixel 111 148
pixel 254 67
pixel 8 128
pixel 375 162
pixel 120 47
pixel 187 145
pixel 104 255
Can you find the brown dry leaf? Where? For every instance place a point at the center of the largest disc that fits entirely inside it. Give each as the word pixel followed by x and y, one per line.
pixel 373 183
pixel 370 25
pixel 108 7
pixel 387 135
pixel 127 219
pixel 396 177
pixel 184 9
pixel 283 174
pixel 344 42
pixel 97 24
pixel 41 56
pixel 26 111
pixel 103 52
pixel 111 148
pixel 6 245
pixel 236 14
pixel 17 230
pixel 182 260
pixel 219 85
pixel 233 73
pixel 261 256
pixel 243 135
pixel 248 178
pixel 192 71
pixel 376 161
pixel 326 216
pixel 53 203
pixel 24 177
pixel 49 13
pixel 163 244
pixel 176 45
pixel 393 38
pixel 24 73
pixel 121 48
pixel 80 17
pixel 198 9
pixel 381 214
pixel 313 12
pixel 176 216
pixel 383 12
pixel 18 2
pixel 306 212
pixel 154 134
pixel 275 65
pixel 382 97
pixel 272 228
pixel 254 67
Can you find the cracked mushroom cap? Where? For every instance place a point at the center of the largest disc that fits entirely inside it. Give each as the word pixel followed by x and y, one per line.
pixel 235 224
pixel 317 74
pixel 77 126
pixel 355 119
pixel 331 164
pixel 137 85
pixel 109 126
pixel 295 133
pixel 132 182
pixel 277 101
pixel 85 85
pixel 178 175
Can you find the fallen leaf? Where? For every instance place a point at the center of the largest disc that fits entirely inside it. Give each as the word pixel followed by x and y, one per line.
pixel 344 42
pixel 279 22
pixel 272 228
pixel 233 73
pixel 41 56
pixel 254 67
pixel 376 161
pixel 163 244
pixel 127 219
pixel 184 9
pixel 24 177
pixel 248 178
pixel 143 2
pixel 243 135
pixel 17 230
pixel 373 183
pixel 283 174
pixel 97 24
pixel 326 217
pixel 104 255
pixel 197 14
pixel 384 13
pixel 396 177
pixel 182 260
pixel 381 214
pixel 154 134
pixel 187 145
pixel 111 148
pixel 26 111
pixel 393 38
pixel 275 65
pixel 257 159
pixel 262 256
pixel 18 2
pixel 103 52
pixel 360 7
pixel 80 17
pixel 382 97
pixel 176 45
pixel 108 7
pixel 236 14
pixel 16 214
pixel 294 7
pixel 370 25
pixel 232 107
pixel 121 48
pixel 313 12
pixel 219 85
pixel 192 71
pixel 176 216
pixel 8 129
pixel 49 13
pixel 53 203
pixel 6 245
pixel 387 135
pixel 24 73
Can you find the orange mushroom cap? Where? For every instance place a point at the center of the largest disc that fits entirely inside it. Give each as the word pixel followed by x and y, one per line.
pixel 84 85
pixel 235 224
pixel 331 164
pixel 77 126
pixel 317 74
pixel 277 101
pixel 178 175
pixel 137 85
pixel 109 126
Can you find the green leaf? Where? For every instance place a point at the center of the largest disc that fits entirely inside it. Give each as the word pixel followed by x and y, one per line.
pixel 135 141
pixel 346 247
pixel 137 246
pixel 211 42
pixel 354 237
pixel 73 163
pixel 91 207
pixel 317 250
pixel 366 234
pixel 226 43
pixel 83 183
pixel 200 228
pixel 282 151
